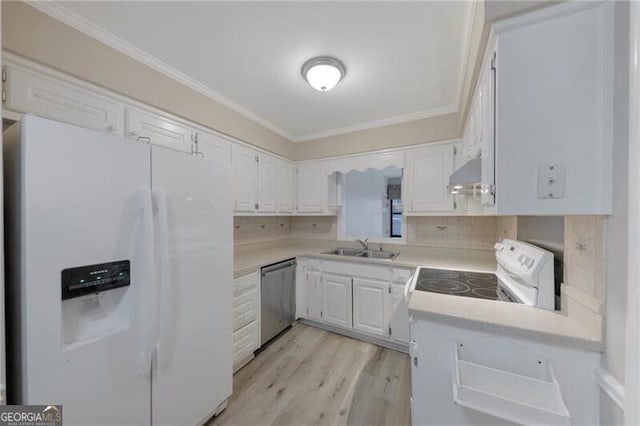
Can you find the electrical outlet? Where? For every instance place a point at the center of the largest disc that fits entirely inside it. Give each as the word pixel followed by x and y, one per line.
pixel 551 181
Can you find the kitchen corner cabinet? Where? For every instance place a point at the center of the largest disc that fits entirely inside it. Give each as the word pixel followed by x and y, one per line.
pixel 426 179
pixel 30 92
pixel 158 130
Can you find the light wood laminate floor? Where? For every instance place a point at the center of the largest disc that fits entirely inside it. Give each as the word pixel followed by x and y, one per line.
pixel 314 377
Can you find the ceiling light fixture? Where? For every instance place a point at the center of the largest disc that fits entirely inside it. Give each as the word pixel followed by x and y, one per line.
pixel 323 72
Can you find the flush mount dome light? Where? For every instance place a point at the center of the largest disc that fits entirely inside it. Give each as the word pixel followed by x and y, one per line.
pixel 323 73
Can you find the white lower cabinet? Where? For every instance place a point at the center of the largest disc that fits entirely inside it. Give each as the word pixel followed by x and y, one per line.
pixel 337 300
pixel 246 321
pixel 370 300
pixel 399 323
pixel 314 295
pixel 365 299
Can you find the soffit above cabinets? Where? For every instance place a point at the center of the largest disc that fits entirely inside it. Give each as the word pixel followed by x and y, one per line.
pixel 404 60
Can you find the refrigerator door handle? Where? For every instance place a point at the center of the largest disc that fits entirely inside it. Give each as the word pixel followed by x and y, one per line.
pixel 146 313
pixel 165 299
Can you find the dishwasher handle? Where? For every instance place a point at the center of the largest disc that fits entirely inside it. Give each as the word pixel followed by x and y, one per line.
pixel 277 267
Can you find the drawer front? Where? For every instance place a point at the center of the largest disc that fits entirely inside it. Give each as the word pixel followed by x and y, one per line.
pixel 245 284
pixel 357 270
pixel 245 308
pixel 245 341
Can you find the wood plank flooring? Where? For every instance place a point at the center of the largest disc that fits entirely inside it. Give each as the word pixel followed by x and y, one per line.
pixel 314 377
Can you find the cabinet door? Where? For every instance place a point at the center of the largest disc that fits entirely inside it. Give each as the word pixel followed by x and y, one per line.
pixel 337 300
pixel 214 147
pixel 160 130
pixel 285 187
pixel 428 172
pixel 370 306
pixel 245 178
pixel 267 183
pixel 399 314
pixel 314 295
pixel 29 92
pixel 311 191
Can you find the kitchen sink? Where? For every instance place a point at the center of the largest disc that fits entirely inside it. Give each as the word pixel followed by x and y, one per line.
pixel 371 254
pixel 342 251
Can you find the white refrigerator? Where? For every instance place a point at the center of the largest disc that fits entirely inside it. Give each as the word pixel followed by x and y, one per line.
pixel 119 277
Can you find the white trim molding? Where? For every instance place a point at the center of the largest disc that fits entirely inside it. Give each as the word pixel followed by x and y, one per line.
pixel 611 386
pixel 78 22
pixel 88 28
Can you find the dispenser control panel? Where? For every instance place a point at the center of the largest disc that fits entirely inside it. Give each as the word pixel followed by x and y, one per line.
pixel 90 279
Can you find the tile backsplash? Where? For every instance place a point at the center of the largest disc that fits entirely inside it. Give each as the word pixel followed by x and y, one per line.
pixel 584 254
pixel 252 229
pixel 314 227
pixel 452 231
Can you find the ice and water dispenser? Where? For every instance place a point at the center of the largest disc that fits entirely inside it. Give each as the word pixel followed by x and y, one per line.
pixel 95 301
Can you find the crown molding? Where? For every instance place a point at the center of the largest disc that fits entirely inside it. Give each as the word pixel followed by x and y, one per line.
pixel 434 112
pixel 79 23
pixel 87 27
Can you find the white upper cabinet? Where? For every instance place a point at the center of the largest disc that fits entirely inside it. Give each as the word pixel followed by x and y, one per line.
pixel 158 130
pixel 370 306
pixel 213 147
pixel 29 92
pixel 426 179
pixel 245 178
pixel 312 188
pixel 286 185
pixel 551 149
pixel 337 300
pixel 267 184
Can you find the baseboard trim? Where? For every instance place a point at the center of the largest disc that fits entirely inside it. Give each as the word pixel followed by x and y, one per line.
pixel 611 386
pixel 355 335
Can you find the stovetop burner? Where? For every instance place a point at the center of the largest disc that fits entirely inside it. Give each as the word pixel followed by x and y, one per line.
pixel 459 283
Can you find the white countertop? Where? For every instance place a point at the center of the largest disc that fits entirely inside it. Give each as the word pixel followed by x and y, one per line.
pixel 512 319
pixel 248 258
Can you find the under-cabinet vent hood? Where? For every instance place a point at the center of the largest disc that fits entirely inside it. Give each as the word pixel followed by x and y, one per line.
pixel 466 178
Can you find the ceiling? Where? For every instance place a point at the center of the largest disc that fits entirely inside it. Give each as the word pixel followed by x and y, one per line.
pixel 404 60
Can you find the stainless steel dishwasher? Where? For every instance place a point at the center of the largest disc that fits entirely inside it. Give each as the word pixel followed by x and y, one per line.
pixel 278 298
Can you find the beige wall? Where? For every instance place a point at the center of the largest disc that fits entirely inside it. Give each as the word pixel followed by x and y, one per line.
pixel 32 34
pixel 413 132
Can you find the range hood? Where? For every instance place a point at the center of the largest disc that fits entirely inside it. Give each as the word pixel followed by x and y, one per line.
pixel 466 180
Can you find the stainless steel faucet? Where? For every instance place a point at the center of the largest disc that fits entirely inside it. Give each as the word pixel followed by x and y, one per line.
pixel 364 244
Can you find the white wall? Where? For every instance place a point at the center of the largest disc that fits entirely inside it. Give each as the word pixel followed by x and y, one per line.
pixel 613 359
pixel 363 202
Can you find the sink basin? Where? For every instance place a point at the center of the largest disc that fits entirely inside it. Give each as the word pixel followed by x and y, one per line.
pixel 342 251
pixel 372 254
pixel 355 252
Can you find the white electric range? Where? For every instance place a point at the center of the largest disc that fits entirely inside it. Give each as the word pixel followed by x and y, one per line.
pixel 524 274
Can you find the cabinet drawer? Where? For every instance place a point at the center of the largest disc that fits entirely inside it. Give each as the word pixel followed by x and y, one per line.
pixel 245 308
pixel 245 341
pixel 245 284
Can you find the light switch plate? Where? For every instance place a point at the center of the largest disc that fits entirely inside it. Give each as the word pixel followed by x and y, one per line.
pixel 551 181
